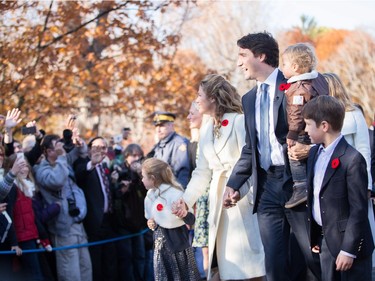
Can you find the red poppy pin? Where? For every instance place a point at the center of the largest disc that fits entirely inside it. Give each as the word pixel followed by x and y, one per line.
pixel 106 171
pixel 159 207
pixel 225 122
pixel 284 86
pixel 335 163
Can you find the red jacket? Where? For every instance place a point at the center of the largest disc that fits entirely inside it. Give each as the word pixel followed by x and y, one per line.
pixel 24 218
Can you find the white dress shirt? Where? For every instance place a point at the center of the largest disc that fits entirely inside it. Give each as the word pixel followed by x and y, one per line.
pixel 324 155
pixel 277 157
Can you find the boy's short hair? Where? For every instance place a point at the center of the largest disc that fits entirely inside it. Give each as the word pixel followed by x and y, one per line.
pixel 302 54
pixel 325 108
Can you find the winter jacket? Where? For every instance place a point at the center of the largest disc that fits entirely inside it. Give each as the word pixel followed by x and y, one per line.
pixel 303 88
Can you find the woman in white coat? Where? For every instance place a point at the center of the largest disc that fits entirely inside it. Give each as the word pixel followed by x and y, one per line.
pixel 355 132
pixel 234 243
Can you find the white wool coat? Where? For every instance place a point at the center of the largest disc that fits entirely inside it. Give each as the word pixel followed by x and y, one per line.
pixel 234 232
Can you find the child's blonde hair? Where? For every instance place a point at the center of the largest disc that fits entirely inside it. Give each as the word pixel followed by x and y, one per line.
pixel 161 172
pixel 303 55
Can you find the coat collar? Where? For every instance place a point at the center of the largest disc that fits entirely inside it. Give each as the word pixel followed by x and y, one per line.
pixel 229 119
pixel 337 153
pixel 213 146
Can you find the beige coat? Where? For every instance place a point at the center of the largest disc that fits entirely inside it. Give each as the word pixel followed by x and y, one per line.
pixel 234 232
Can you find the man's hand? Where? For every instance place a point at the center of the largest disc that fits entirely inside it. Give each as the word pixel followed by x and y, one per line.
pixel 97 157
pixel 230 197
pixel 3 206
pixel 34 124
pixel 299 151
pixel 343 263
pixel 71 122
pixel 59 149
pixel 12 118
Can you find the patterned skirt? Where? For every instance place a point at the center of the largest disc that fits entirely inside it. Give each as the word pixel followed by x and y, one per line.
pixel 170 266
pixel 201 224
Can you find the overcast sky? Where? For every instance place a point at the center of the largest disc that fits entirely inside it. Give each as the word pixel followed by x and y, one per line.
pixel 329 13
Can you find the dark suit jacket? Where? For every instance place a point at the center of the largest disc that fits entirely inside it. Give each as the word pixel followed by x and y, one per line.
pixel 343 203
pixel 248 163
pixel 89 181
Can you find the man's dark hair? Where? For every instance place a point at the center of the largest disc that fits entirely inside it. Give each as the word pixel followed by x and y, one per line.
pixel 261 43
pixel 325 108
pixel 96 138
pixel 47 141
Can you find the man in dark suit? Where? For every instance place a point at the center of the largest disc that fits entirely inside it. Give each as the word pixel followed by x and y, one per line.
pixel 337 196
pixel 264 158
pixel 93 177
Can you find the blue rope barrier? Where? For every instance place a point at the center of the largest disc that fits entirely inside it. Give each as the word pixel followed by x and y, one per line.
pixel 79 245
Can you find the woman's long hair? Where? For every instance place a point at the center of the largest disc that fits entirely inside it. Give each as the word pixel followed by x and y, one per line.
pixel 225 95
pixel 337 90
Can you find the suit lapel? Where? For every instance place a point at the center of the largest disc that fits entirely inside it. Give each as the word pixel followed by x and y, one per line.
pixel 278 97
pixel 250 99
pixel 337 153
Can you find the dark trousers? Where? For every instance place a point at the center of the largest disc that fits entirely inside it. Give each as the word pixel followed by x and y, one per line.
pixel 276 224
pixel 103 256
pixel 131 254
pixel 360 271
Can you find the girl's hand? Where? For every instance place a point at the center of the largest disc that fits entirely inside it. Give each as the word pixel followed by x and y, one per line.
pixel 17 249
pixel 151 224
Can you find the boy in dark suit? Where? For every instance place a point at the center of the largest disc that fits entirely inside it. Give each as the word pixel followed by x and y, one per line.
pixel 337 195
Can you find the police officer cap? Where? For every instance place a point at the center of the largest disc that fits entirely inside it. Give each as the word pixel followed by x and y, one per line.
pixel 161 117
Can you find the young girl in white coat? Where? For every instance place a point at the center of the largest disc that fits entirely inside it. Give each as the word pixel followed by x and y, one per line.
pixel 173 254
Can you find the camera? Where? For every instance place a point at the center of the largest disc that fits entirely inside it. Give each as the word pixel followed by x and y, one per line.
pixel 28 130
pixel 72 207
pixel 124 175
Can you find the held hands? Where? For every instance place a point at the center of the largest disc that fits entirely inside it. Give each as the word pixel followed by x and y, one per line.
pixel 179 208
pixel 343 263
pixel 230 198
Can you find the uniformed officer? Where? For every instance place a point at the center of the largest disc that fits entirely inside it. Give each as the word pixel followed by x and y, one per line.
pixel 171 148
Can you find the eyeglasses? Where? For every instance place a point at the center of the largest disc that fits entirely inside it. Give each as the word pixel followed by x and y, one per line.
pixel 99 148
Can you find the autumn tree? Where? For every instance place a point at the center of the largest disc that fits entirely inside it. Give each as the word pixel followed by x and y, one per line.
pixel 93 57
